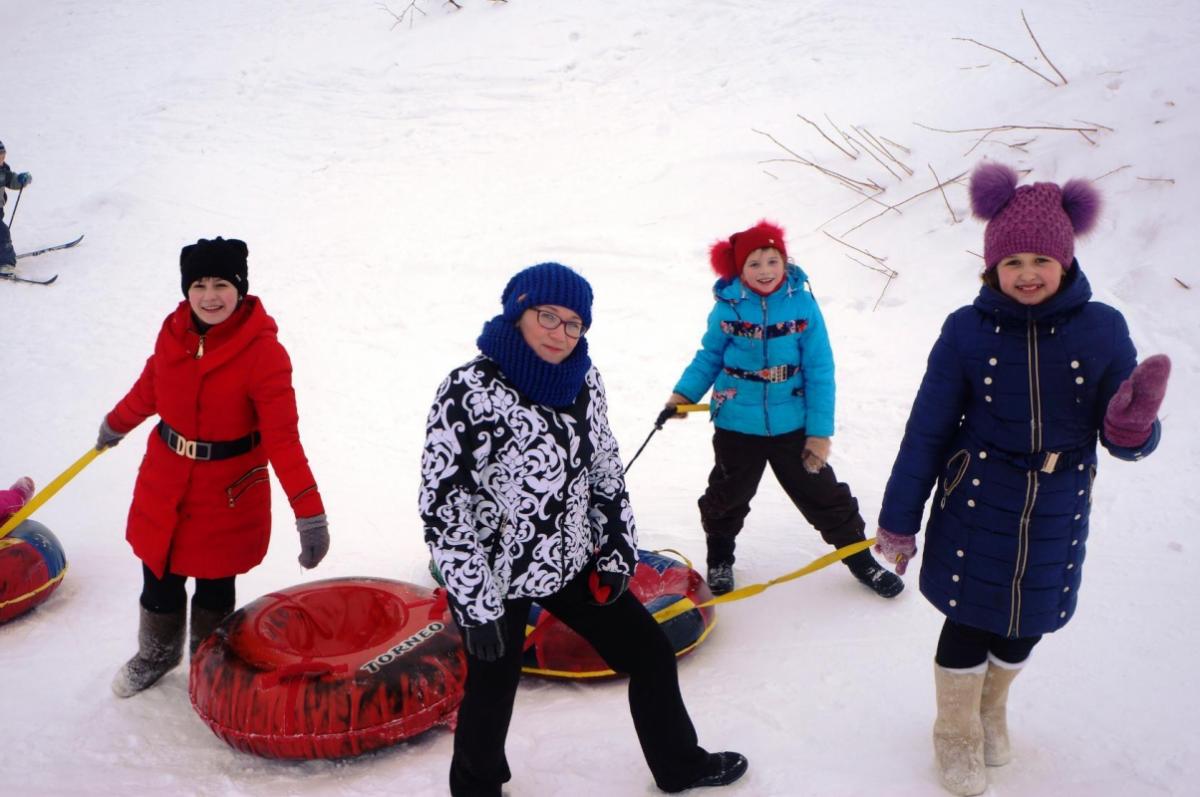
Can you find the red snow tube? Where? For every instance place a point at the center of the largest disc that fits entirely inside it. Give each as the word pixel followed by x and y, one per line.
pixel 669 588
pixel 330 669
pixel 32 565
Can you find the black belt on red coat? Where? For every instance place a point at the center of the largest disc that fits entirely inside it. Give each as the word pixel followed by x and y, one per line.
pixel 207 450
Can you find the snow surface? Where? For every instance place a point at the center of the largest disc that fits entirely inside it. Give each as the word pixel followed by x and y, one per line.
pixel 390 177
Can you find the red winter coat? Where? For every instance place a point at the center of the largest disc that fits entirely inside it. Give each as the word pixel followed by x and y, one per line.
pixel 212 519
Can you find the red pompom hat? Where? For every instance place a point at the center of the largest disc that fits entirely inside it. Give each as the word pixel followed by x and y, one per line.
pixel 729 257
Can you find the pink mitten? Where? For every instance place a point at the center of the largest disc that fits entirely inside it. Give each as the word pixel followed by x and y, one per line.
pixel 15 497
pixel 895 548
pixel 1133 408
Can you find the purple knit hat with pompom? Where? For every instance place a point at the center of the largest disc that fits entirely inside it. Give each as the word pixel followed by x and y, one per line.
pixel 1042 218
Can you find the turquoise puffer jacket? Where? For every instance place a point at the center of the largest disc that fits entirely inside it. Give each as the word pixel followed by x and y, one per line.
pixel 767 360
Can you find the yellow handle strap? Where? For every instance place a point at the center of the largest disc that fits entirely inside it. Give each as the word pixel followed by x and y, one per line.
pixel 48 492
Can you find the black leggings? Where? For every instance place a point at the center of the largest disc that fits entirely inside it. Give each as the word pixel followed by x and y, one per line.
pixel 167 594
pixel 962 647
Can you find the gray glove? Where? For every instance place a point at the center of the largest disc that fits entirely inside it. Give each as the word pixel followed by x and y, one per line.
pixel 314 540
pixel 107 438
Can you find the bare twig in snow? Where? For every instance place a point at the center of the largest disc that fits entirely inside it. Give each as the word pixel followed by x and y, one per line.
pixel 851 183
pixel 969 252
pixel 1086 138
pixel 1040 50
pixel 907 151
pixel 843 150
pixel 768 174
pixel 1114 171
pixel 890 273
pixel 896 207
pixel 944 199
pixel 454 3
pixel 876 258
pixel 1015 60
pixel 1007 127
pixel 842 133
pixel 1170 180
pixel 1096 124
pixel 867 149
pixel 871 139
pixel 1184 284
pixel 407 12
pixel 856 206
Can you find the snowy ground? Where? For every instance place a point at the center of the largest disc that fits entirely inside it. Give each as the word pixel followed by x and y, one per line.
pixel 390 178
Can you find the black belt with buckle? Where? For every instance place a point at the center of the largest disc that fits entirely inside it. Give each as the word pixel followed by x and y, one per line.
pixel 774 375
pixel 204 450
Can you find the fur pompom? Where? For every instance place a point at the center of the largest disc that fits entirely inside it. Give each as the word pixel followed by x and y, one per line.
pixel 1081 201
pixel 992 186
pixel 721 258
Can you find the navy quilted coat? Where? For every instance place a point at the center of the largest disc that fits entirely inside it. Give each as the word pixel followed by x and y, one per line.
pixel 1006 422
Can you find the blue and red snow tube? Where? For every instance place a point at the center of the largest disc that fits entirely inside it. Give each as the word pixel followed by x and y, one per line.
pixel 330 669
pixel 32 565
pixel 670 589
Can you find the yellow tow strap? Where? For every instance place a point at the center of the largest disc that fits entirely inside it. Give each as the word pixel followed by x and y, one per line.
pixel 679 607
pixel 48 492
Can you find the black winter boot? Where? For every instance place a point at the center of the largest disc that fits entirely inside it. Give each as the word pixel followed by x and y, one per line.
pixel 160 649
pixel 204 622
pixel 721 769
pixel 884 582
pixel 720 578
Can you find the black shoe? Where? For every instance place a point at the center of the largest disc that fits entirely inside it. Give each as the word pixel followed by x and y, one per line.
pixel 882 581
pixel 720 578
pixel 721 769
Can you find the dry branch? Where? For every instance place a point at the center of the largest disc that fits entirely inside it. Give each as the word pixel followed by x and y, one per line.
pixel 944 199
pixel 1184 284
pixel 840 148
pixel 851 183
pixel 871 139
pixel 1114 171
pixel 876 258
pixel 890 273
pixel 1170 180
pixel 842 133
pixel 1040 50
pixel 1001 128
pixel 896 207
pixel 867 149
pixel 907 151
pixel 1014 59
pixel 408 11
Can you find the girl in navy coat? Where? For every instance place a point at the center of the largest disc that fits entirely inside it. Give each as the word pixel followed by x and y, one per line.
pixel 767 358
pixel 1019 386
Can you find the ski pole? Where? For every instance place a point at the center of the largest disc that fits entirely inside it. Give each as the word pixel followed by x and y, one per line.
pixel 16 205
pixel 663 417
pixel 48 492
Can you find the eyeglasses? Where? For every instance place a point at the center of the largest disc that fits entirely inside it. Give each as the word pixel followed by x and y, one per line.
pixel 548 320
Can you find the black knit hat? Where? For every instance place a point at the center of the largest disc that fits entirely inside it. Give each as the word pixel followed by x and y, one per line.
pixel 2 149
pixel 216 258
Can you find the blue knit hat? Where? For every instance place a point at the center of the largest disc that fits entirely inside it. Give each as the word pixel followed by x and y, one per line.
pixel 547 283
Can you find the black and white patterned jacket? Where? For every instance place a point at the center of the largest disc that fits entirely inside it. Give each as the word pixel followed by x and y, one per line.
pixel 517 497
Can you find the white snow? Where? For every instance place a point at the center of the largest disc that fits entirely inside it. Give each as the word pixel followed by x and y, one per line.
pixel 389 179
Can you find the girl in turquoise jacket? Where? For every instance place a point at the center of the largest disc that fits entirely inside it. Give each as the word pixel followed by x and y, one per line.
pixel 767 358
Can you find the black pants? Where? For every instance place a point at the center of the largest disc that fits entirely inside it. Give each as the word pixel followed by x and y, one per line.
pixel 630 642
pixel 961 646
pixel 8 257
pixel 825 502
pixel 167 594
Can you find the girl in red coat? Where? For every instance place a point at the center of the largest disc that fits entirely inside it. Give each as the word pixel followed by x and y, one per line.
pixel 221 384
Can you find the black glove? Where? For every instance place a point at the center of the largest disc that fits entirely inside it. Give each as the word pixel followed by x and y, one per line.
pixel 485 642
pixel 606 587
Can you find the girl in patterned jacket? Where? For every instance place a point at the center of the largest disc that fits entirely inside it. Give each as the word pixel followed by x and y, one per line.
pixel 767 358
pixel 523 498
pixel 1019 386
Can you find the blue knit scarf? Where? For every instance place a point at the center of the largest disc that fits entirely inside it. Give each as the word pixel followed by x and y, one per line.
pixel 539 380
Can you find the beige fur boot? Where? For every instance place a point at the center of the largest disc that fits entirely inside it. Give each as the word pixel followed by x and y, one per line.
pixel 993 711
pixel 958 731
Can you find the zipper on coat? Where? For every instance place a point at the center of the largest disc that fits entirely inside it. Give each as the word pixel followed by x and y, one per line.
pixel 1031 481
pixel 766 365
pixel 247 480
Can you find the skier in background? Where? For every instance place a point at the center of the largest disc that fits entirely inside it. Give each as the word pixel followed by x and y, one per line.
pixel 14 181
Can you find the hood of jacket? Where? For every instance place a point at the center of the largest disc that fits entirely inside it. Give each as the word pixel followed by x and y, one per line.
pixel 734 290
pixel 1074 294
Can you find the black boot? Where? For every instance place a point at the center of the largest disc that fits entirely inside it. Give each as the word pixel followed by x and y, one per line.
pixel 160 648
pixel 884 582
pixel 204 622
pixel 720 578
pixel 721 769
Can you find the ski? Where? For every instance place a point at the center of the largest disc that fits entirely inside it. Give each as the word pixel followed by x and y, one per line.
pixel 55 248
pixel 28 280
